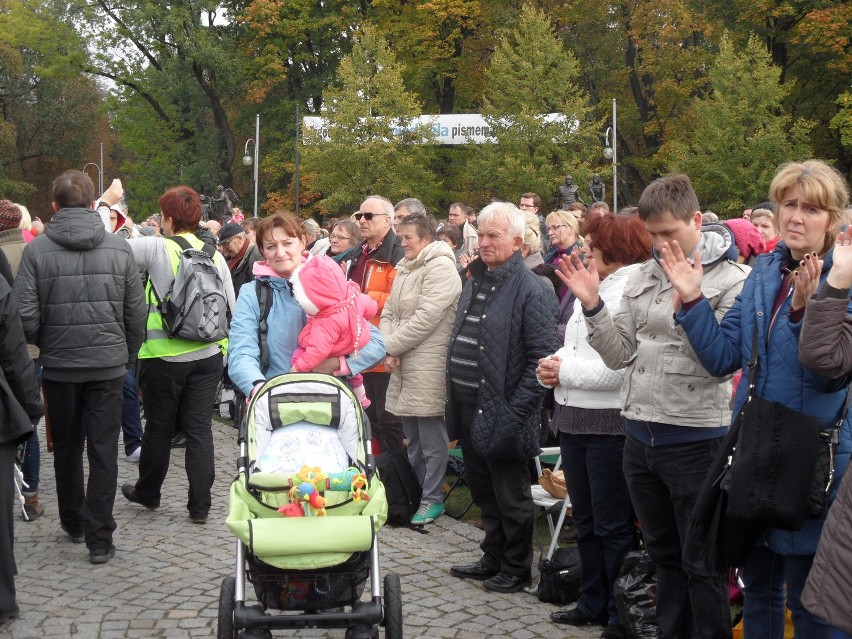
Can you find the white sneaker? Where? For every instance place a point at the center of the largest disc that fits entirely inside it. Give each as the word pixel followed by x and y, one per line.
pixel 133 457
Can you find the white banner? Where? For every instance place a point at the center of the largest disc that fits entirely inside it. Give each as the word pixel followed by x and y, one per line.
pixel 455 128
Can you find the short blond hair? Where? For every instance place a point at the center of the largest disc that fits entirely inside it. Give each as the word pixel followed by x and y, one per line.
pixel 532 232
pixel 565 217
pixel 822 185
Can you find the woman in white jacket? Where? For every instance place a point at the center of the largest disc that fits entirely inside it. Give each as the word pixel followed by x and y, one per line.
pixel 416 324
pixel 591 429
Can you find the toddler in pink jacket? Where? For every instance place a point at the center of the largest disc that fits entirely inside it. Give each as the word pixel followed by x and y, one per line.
pixel 338 317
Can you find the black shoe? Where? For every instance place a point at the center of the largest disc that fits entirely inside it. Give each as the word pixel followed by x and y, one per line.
pixel 76 536
pixel 576 617
pixel 179 440
pixel 473 571
pixel 613 631
pixel 101 555
pixel 129 492
pixel 198 519
pixel 507 582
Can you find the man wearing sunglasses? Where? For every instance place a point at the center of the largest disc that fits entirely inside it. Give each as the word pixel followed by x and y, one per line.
pixel 373 267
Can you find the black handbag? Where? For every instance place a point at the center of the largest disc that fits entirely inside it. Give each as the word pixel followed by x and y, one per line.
pixel 783 463
pixel 560 577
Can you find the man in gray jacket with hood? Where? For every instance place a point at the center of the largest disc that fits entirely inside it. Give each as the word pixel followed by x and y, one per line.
pixel 676 413
pixel 81 301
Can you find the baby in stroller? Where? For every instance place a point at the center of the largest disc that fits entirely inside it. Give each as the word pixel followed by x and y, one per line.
pixel 338 317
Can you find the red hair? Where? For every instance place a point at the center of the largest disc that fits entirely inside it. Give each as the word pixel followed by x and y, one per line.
pixel 183 206
pixel 619 239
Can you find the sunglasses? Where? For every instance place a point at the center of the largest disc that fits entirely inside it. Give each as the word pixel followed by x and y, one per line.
pixel 367 216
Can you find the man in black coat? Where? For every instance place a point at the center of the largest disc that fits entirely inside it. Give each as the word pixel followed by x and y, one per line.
pixel 82 303
pixel 20 407
pixel 240 253
pixel 506 321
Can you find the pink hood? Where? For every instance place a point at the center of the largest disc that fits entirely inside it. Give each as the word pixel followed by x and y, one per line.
pixel 321 289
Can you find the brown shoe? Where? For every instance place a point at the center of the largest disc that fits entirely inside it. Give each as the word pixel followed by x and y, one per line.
pixel 32 509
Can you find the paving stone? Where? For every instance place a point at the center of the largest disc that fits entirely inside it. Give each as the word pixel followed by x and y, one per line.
pixel 164 580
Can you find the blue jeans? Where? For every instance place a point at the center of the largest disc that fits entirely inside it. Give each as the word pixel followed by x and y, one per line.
pixel 764 576
pixel 664 482
pixel 836 633
pixel 131 422
pixel 602 514
pixel 31 463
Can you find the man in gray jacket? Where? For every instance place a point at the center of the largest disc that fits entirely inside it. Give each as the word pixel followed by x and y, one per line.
pixel 81 302
pixel 675 413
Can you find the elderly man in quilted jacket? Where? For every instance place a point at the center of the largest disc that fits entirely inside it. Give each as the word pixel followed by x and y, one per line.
pixel 506 321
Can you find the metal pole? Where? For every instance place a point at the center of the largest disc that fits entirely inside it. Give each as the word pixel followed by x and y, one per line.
pixel 256 157
pixel 297 160
pixel 614 160
pixel 101 172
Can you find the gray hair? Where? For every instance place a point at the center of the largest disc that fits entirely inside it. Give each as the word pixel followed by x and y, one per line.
pixel 311 227
pixel 387 205
pixel 412 204
pixel 506 210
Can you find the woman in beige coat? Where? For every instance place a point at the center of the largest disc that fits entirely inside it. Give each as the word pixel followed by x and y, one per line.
pixel 416 324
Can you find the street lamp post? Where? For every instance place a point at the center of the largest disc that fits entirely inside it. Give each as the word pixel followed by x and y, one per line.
pixel 611 152
pixel 247 159
pixel 100 175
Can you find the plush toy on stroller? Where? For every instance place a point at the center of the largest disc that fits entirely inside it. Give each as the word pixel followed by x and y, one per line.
pixel 306 508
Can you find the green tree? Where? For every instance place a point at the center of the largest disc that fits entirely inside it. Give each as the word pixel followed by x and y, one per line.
pixel 172 75
pixel 742 132
pixel 375 146
pixel 531 75
pixel 49 112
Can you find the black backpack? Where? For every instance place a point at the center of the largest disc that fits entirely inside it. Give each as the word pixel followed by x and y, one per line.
pixel 401 486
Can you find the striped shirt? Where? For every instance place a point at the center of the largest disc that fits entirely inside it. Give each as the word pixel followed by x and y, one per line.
pixel 464 356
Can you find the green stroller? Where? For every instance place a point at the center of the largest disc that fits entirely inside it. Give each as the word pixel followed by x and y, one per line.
pixel 306 508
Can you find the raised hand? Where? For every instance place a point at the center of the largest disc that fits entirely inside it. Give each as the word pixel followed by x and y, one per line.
pixel 113 194
pixel 840 275
pixel 805 280
pixel 685 276
pixel 583 281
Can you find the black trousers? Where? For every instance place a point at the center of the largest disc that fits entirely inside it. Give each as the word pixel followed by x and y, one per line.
pixel 8 508
pixel 501 489
pixel 184 390
pixel 86 414
pixel 386 426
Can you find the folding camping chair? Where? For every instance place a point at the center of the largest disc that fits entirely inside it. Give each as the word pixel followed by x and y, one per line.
pixel 548 502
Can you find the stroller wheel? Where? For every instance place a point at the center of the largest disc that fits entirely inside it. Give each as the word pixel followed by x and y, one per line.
pixel 226 609
pixel 393 607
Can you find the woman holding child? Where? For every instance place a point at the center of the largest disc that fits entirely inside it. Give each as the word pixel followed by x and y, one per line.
pixel 281 240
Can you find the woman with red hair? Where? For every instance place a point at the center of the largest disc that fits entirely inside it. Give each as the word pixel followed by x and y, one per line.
pixel 587 413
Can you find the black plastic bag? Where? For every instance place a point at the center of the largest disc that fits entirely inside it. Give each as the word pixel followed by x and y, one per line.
pixel 636 596
pixel 560 577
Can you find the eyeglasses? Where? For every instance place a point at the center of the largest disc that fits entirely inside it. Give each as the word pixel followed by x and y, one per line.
pixel 556 227
pixel 526 206
pixel 367 216
pixel 341 238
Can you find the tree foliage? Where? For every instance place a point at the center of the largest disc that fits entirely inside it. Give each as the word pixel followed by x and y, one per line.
pixel 741 131
pixel 532 151
pixel 374 145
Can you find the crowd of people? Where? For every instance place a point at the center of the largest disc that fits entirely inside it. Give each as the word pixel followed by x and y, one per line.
pixel 632 323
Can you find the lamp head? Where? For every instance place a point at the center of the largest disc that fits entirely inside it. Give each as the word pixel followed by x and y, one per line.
pixel 607 152
pixel 247 160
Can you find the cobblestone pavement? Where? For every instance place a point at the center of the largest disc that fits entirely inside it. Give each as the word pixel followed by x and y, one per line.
pixel 164 580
